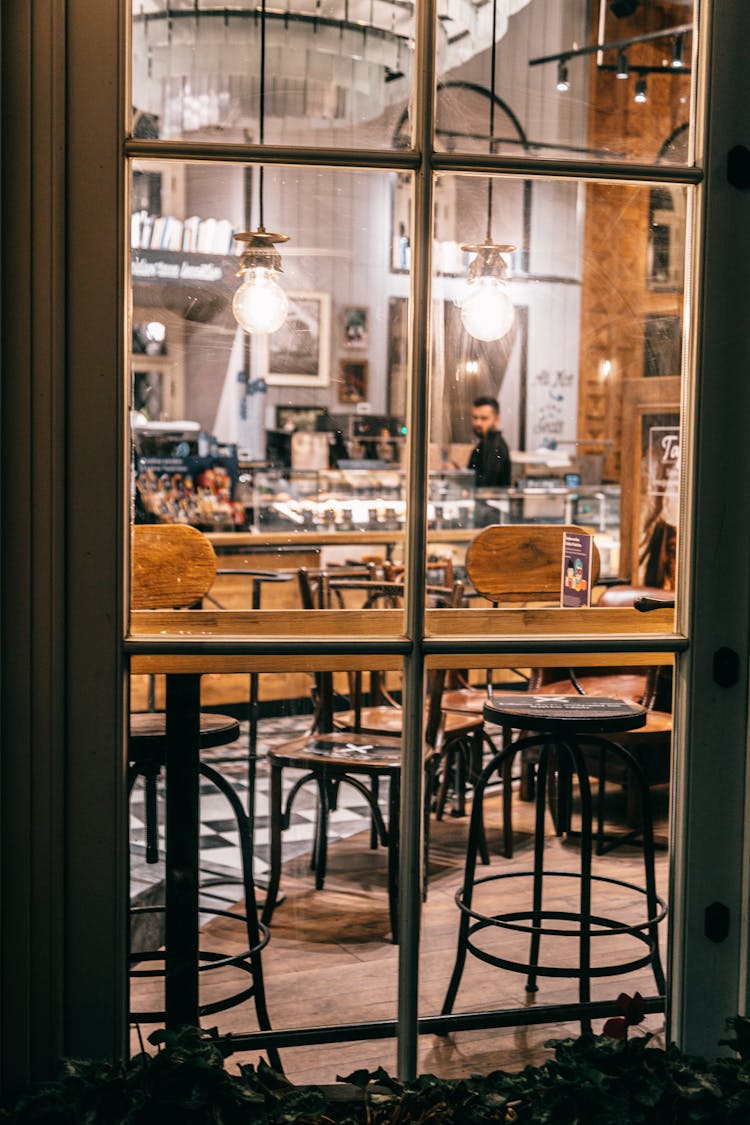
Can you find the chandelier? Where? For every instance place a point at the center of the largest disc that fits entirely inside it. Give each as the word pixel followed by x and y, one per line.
pixel 338 62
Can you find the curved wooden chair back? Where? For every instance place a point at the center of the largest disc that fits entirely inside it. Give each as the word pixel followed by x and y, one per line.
pixel 440 571
pixel 333 590
pixel 326 590
pixel 514 564
pixel 173 566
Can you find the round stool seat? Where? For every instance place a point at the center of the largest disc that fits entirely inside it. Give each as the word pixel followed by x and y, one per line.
pixel 148 731
pixel 579 714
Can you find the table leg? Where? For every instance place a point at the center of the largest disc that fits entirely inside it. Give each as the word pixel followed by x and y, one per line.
pixel 275 819
pixel 394 812
pixel 182 850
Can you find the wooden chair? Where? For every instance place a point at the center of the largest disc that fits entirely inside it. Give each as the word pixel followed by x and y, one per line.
pixel 173 567
pixel 649 686
pixel 440 570
pixel 460 735
pixel 329 758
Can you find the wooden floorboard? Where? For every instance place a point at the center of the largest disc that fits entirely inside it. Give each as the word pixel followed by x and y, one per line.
pixel 330 960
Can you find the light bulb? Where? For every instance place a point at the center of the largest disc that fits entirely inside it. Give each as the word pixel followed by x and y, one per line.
pixel 260 306
pixel 487 311
pixel 677 62
pixel 562 83
pixel 641 95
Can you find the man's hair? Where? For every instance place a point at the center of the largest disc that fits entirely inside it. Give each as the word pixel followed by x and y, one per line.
pixel 487 400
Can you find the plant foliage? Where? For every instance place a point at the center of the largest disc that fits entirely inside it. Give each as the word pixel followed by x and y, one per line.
pixel 592 1080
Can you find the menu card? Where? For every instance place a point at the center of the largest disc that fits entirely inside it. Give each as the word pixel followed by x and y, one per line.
pixel 576 569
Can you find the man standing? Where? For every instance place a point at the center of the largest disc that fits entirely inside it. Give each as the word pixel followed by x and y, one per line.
pixel 490 459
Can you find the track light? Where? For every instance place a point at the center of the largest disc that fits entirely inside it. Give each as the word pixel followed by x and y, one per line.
pixel 562 77
pixel 622 65
pixel 677 62
pixel 640 95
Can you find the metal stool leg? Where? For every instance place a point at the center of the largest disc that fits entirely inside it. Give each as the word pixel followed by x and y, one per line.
pixel 251 909
pixel 538 878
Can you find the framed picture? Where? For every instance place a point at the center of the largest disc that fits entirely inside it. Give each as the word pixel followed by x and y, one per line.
pixel 651 462
pixel 356 327
pixel 353 380
pixel 299 353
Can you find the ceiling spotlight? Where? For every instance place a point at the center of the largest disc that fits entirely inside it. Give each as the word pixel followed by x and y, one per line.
pixel 562 77
pixel 622 65
pixel 640 95
pixel 677 62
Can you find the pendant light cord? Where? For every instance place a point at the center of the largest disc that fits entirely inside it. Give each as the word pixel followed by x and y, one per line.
pixel 262 108
pixel 492 114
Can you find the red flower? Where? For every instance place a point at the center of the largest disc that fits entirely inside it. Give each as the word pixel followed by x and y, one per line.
pixel 633 1011
pixel 616 1028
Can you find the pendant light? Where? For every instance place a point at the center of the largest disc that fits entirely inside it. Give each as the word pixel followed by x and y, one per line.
pixel 487 311
pixel 260 305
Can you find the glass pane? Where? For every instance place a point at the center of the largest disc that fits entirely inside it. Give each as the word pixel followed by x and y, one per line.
pixel 337 74
pixel 287 448
pixel 577 80
pixel 579 345
pixel 330 958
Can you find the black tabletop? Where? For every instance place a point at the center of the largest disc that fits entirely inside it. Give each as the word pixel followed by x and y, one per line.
pixel 594 714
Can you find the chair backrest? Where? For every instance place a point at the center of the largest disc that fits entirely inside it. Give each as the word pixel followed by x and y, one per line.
pixel 657 692
pixel 326 590
pixel 514 564
pixel 332 590
pixel 617 596
pixel 315 583
pixel 440 571
pixel 173 566
pixel 649 685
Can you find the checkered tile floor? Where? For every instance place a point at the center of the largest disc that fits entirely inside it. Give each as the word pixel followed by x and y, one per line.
pixel 219 842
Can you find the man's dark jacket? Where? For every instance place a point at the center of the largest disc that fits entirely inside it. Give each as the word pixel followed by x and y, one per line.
pixel 490 461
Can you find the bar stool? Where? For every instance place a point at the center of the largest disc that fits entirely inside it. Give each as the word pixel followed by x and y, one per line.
pixel 561 726
pixel 147 753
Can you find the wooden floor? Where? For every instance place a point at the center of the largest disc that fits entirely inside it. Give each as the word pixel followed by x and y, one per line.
pixel 330 960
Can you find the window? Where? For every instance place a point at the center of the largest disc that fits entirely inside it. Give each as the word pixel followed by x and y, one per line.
pixel 308 446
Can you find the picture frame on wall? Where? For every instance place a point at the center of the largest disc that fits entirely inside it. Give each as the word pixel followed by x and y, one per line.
pixel 356 327
pixel 651 460
pixel 353 380
pixel 298 354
